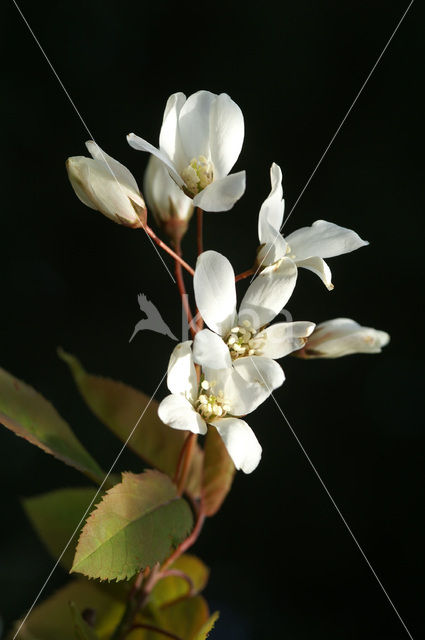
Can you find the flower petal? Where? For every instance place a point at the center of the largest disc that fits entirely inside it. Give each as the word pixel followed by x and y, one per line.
pixel 240 442
pixel 181 377
pixel 262 371
pixel 226 134
pixel 122 175
pixel 221 194
pixel 319 267
pixel 271 252
pixel 323 239
pixel 215 291
pixel 209 350
pixel 271 213
pixel 194 124
pixel 342 337
pixel 268 293
pixel 169 137
pixel 178 413
pixel 142 145
pixel 239 395
pixel 285 337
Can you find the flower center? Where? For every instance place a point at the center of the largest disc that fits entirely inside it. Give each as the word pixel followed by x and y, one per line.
pixel 245 341
pixel 209 403
pixel 197 175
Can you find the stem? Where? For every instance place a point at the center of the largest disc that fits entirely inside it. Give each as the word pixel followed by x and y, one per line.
pixel 139 594
pixel 245 274
pixel 168 249
pixel 199 221
pixel 182 289
pixel 186 544
pixel 151 627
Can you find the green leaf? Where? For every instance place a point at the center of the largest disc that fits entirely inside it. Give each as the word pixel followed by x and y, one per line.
pixel 219 472
pixel 55 516
pixel 120 406
pixel 25 412
pixel 171 588
pixel 185 619
pixel 138 523
pixel 82 630
pixel 52 619
pixel 208 626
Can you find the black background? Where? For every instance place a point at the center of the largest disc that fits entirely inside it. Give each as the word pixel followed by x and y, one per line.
pixel 283 564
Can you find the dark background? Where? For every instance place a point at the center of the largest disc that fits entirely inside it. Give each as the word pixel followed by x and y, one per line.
pixel 283 564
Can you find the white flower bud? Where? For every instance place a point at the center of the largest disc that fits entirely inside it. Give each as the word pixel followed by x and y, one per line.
pixel 342 337
pixel 105 185
pixel 171 208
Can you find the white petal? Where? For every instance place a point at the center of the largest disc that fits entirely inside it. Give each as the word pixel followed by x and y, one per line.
pixel 142 145
pixel 163 197
pixel 271 252
pixel 209 350
pixel 343 336
pixel 323 239
pixel 169 137
pixel 268 293
pixel 215 291
pixel 181 376
pixel 194 124
pixel 241 396
pixel 261 371
pixel 178 413
pixel 285 337
pixel 319 267
pixel 240 442
pixel 271 213
pixel 221 194
pixel 226 134
pixel 123 176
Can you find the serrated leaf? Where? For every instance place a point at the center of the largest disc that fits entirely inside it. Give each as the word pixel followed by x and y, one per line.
pixel 120 406
pixel 138 523
pixel 52 619
pixel 28 414
pixel 219 472
pixel 82 630
pixel 171 588
pixel 55 516
pixel 204 633
pixel 185 619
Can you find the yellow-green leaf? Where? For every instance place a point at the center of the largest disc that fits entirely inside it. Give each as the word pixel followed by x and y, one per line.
pixel 81 629
pixel 120 406
pixel 52 619
pixel 219 472
pixel 138 523
pixel 171 588
pixel 185 619
pixel 25 412
pixel 55 517
pixel 204 633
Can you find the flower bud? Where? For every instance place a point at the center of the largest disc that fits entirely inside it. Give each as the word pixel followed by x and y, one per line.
pixel 171 208
pixel 342 337
pixel 104 184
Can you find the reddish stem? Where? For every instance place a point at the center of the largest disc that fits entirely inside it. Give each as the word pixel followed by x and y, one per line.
pixel 185 464
pixel 245 274
pixel 182 290
pixel 186 544
pixel 199 221
pixel 168 249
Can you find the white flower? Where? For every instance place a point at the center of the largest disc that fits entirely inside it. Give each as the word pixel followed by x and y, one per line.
pixel 200 140
pixel 239 341
pixel 307 246
pixel 342 337
pixel 216 402
pixel 171 208
pixel 104 184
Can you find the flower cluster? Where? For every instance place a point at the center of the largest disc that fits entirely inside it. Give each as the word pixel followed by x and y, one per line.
pixel 230 367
